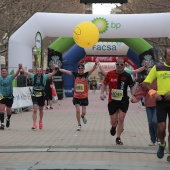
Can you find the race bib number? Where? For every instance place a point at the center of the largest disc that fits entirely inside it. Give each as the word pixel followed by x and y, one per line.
pixel 1 97
pixel 38 94
pixel 117 94
pixel 79 87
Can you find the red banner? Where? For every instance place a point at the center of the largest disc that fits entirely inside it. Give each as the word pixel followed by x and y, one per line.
pixel 106 59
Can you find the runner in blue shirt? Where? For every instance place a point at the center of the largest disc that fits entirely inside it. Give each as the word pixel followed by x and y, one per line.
pixel 38 92
pixel 6 94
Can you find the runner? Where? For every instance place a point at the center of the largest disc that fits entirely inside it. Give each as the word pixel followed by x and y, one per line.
pixel 162 95
pixel 6 95
pixel 80 91
pixel 118 100
pixel 38 93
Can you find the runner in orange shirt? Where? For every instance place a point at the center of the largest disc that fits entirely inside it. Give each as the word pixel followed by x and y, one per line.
pixel 80 91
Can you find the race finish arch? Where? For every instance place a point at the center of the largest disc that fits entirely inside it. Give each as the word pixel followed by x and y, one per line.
pixel 109 50
pixel 110 26
pixel 76 53
pixel 126 27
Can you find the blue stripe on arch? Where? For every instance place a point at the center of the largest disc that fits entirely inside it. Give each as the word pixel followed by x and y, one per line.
pixel 74 55
pixel 70 62
pixel 134 57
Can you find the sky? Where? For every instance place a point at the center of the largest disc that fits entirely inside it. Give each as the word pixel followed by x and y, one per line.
pixel 102 8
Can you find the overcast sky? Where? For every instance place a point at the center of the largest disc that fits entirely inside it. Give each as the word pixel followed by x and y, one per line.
pixel 102 8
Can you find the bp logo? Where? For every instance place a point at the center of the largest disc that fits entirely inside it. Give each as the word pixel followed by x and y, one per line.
pixel 102 24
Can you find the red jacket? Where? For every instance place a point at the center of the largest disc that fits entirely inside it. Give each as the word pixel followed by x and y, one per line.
pixel 143 92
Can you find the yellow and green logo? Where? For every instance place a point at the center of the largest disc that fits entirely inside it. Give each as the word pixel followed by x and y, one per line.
pixel 101 23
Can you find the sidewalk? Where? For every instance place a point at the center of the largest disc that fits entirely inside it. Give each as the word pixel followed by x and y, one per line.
pixel 59 146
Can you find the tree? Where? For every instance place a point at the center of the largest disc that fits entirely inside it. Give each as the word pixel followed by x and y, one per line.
pixel 13 13
pixel 149 6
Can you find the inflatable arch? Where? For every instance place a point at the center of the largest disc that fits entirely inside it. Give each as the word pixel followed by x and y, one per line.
pixel 76 53
pixel 110 26
pixel 110 47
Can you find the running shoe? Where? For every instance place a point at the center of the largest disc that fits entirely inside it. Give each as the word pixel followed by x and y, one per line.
pixel 7 123
pixel 118 141
pixel 34 126
pixel 152 144
pixel 84 119
pixel 168 158
pixel 113 131
pixel 2 127
pixel 40 125
pixel 51 107
pixel 158 141
pixel 78 127
pixel 160 152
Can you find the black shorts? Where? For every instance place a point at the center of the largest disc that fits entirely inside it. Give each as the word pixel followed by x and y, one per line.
pixel 38 100
pixel 81 102
pixel 8 102
pixel 162 110
pixel 114 105
pixel 95 86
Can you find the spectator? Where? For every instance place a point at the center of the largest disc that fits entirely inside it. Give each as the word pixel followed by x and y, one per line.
pixel 21 80
pixel 29 80
pixel 48 94
pixel 150 104
pixel 48 91
pixel 94 84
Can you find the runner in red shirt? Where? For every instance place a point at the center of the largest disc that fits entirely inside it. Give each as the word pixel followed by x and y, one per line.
pixel 118 100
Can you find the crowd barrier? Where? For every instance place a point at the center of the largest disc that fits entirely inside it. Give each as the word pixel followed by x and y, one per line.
pixel 22 97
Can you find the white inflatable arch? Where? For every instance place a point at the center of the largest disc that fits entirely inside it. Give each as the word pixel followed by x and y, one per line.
pixel 62 25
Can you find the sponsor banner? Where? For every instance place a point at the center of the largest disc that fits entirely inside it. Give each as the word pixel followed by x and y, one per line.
pixel 147 56
pixel 69 91
pixel 108 48
pixel 38 45
pixel 87 59
pixel 55 57
pixel 22 97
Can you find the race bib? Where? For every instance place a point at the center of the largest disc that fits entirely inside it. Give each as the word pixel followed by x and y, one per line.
pixel 117 94
pixel 38 92
pixel 79 88
pixel 1 97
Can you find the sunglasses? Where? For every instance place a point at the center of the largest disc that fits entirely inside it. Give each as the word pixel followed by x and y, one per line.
pixel 81 68
pixel 119 64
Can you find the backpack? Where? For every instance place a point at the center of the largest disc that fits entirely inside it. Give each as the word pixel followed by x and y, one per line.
pixel 38 88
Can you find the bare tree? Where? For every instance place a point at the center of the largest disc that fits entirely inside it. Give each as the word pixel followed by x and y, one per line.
pixel 149 6
pixel 13 13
